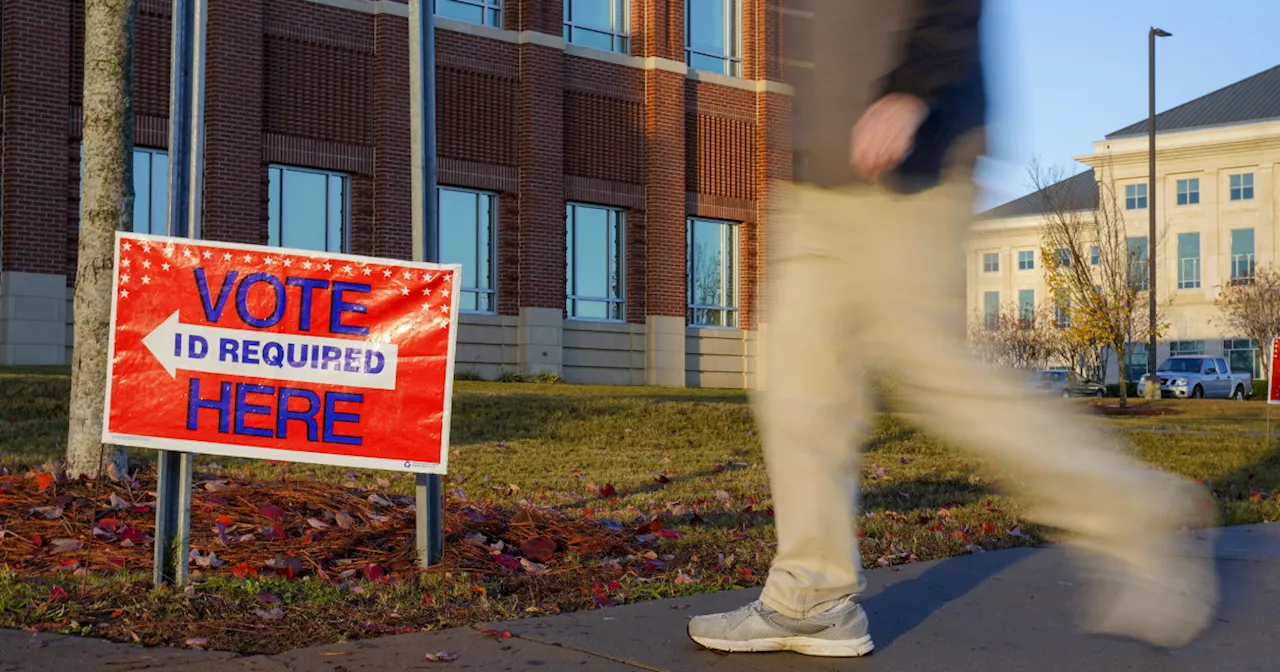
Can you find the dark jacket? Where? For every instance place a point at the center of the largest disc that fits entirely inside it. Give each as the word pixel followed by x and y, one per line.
pixel 842 55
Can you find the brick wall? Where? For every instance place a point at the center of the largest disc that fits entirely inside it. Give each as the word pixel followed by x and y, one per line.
pixel 309 84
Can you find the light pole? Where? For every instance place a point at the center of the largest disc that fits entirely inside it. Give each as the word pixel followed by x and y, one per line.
pixel 1152 382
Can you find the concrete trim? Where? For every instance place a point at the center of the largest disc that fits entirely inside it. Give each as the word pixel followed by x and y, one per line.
pixel 666 64
pixel 369 6
pixel 540 39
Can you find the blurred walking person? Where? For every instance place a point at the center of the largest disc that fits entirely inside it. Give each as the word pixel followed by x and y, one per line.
pixel 866 276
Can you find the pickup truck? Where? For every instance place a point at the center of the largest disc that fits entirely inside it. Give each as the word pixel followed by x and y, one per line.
pixel 1199 377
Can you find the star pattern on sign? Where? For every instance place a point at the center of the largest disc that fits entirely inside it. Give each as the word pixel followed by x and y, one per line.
pixel 146 263
pixel 248 258
pixel 186 252
pixel 168 251
pixel 124 278
pixel 365 270
pixel 307 264
pixel 386 272
pixel 226 256
pixel 127 246
pixel 287 262
pixel 208 254
pixel 404 291
pixel 327 266
pixel 165 266
pixel 347 269
pixel 124 293
pixel 146 280
pixel 125 263
pixel 146 247
pixel 407 274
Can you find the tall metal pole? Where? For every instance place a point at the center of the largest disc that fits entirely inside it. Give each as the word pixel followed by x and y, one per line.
pixel 1152 383
pixel 428 493
pixel 186 169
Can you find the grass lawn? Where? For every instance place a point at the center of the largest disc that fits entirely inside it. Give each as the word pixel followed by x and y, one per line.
pixel 612 459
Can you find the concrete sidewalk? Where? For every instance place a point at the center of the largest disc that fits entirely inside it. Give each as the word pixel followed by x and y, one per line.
pixel 995 612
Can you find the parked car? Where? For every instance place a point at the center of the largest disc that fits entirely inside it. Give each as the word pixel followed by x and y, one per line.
pixel 1199 377
pixel 1065 384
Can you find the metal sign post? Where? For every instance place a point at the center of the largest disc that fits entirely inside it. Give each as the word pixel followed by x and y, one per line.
pixel 428 524
pixel 186 172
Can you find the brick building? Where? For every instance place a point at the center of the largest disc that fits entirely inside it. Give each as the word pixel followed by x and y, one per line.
pixel 585 148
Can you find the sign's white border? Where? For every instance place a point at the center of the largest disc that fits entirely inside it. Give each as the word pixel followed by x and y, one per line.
pixel 253 452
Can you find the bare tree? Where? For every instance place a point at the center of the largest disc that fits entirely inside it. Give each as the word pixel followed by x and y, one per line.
pixel 1014 338
pixel 1251 308
pixel 107 205
pixel 1094 267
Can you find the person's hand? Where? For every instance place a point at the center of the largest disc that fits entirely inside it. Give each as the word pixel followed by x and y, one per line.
pixel 885 134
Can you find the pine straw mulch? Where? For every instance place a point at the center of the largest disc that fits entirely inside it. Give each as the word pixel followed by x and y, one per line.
pixel 352 548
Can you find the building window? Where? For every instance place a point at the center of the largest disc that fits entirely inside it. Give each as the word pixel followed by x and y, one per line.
pixel 307 209
pixel 991 310
pixel 1189 191
pixel 1063 257
pixel 468 228
pixel 1135 197
pixel 483 12
pixel 1188 261
pixel 1062 313
pixel 1241 354
pixel 1135 362
pixel 711 36
pixel 596 268
pixel 1095 255
pixel 1242 187
pixel 150 191
pixel 991 262
pixel 1243 262
pixel 1186 348
pixel 713 273
pixel 1027 304
pixel 1026 260
pixel 599 24
pixel 1138 255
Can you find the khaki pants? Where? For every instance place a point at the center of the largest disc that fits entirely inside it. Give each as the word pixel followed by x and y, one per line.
pixel 862 281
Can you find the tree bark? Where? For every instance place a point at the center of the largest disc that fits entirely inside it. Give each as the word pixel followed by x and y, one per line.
pixel 107 205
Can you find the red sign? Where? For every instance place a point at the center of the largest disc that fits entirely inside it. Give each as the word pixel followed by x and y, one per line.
pixel 1273 393
pixel 281 354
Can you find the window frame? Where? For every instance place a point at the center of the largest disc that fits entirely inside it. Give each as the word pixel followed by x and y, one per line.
pixel 617 223
pixel 1194 282
pixel 488 9
pixel 619 33
pixel 1026 260
pixel 1143 281
pixel 729 269
pixel 1250 259
pixel 1181 349
pixel 1232 346
pixel 732 61
pixel 991 310
pixel 1026 311
pixel 1241 191
pixel 345 246
pixel 491 292
pixel 994 258
pixel 1188 191
pixel 1134 200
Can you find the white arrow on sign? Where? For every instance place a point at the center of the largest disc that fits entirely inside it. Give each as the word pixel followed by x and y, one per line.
pixel 237 352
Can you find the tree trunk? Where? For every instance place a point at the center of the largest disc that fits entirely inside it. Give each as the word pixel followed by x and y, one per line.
pixel 107 205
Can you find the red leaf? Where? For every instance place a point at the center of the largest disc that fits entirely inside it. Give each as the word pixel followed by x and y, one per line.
pixel 652 528
pixel 507 562
pixel 717 468
pixel 538 549
pixel 44 480
pixel 216 499
pixel 109 524
pixel 142 509
pixel 243 570
pixel 116 562
pixel 745 571
pixel 117 613
pixel 668 534
pixel 58 595
pixel 37 540
pixel 988 528
pixel 226 520
pixel 273 533
pixel 69 565
pixel 608 490
pixel 496 634
pixel 271 511
pixel 133 535
pixel 373 572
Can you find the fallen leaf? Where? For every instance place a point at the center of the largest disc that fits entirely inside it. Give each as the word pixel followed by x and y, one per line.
pixel 496 634
pixel 243 571
pixel 684 579
pixel 441 657
pixel 37 540
pixel 318 524
pixel 507 562
pixel 538 549
pixel 48 512
pixel 69 566
pixel 58 595
pixel 476 538
pixel 723 496
pixel 717 468
pixel 344 520
pixel 226 520
pixel 116 614
pixel 662 478
pixel 879 472
pixel 533 567
pixel 271 511
pixel 198 642
pixel 273 533
pixel 44 481
pixel 1016 532
pixel 267 598
pixel 373 572
pixel 375 498
pixel 680 607
pixel 274 614
pixel 608 490
pixel 65 545
pixel 988 528
pixel 651 527
pixel 116 562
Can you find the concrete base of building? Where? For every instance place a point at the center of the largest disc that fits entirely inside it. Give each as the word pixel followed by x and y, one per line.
pixel 665 354
pixel 35 311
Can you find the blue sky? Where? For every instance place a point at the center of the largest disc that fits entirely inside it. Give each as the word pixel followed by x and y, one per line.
pixel 1064 73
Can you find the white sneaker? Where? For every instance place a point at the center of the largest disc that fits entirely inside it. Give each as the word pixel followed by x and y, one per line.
pixel 839 632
